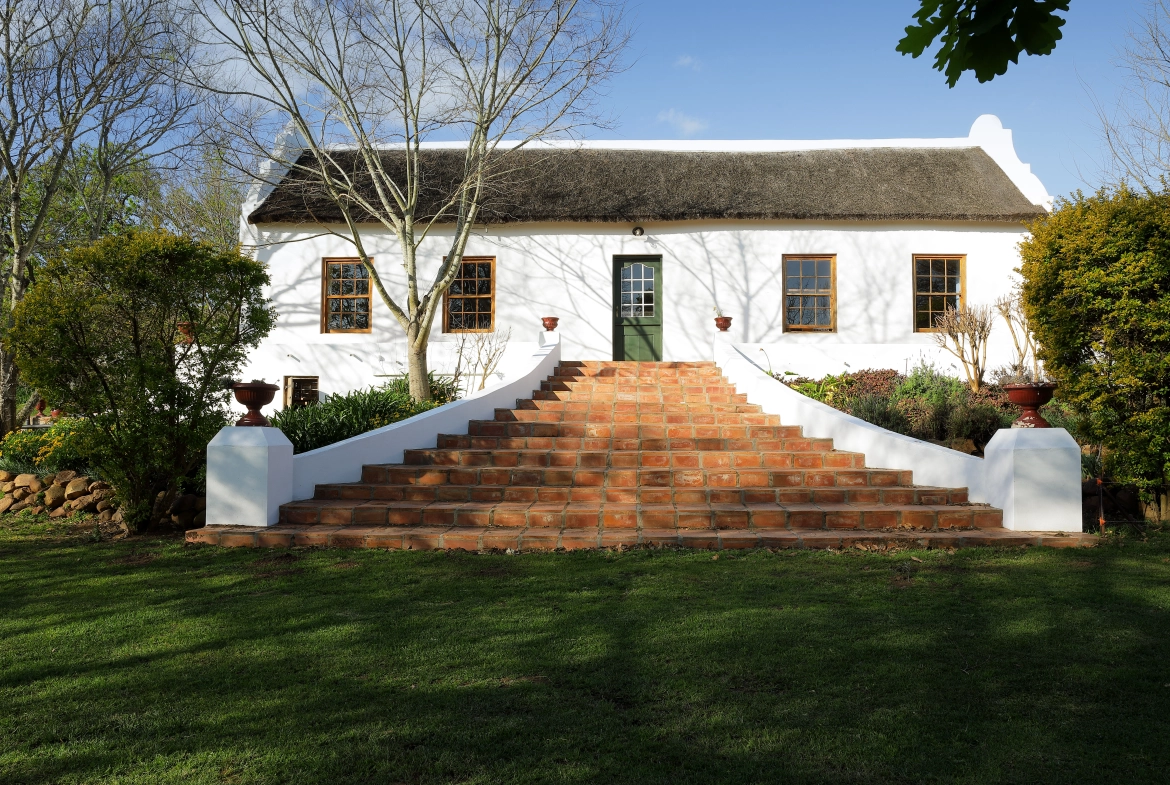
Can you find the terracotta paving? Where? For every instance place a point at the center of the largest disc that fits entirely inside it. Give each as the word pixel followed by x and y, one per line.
pixel 632 454
pixel 485 538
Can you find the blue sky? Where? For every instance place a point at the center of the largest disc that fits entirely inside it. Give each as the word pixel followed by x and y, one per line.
pixel 828 70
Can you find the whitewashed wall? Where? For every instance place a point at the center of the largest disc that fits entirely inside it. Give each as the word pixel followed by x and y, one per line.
pixel 566 270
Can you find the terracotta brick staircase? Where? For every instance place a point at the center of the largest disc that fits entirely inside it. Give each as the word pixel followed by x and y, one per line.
pixel 611 454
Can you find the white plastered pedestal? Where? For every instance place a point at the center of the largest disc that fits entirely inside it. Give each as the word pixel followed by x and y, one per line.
pixel 249 475
pixel 1034 476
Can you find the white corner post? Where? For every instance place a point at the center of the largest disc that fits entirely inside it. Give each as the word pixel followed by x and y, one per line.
pixel 1034 476
pixel 249 475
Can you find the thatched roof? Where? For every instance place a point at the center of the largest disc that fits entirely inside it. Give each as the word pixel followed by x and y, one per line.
pixel 871 184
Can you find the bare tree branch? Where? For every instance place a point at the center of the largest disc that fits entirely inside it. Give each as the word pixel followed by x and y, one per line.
pixel 345 81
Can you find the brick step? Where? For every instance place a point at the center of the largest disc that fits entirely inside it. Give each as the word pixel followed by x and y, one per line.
pixel 552 494
pixel 396 474
pixel 790 440
pixel 594 376
pixel 485 539
pixel 637 417
pixel 637 407
pixel 713 386
pixel 871 517
pixel 630 430
pixel 627 459
pixel 604 394
pixel 628 369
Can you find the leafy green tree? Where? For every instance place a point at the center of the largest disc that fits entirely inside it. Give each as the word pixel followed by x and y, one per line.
pixel 1097 294
pixel 101 333
pixel 983 36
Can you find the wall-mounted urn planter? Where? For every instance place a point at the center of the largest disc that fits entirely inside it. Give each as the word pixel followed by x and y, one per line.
pixel 255 395
pixel 550 323
pixel 723 323
pixel 1030 397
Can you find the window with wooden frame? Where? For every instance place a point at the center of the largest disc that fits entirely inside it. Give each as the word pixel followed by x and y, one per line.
pixel 345 297
pixel 300 391
pixel 938 285
pixel 469 304
pixel 810 293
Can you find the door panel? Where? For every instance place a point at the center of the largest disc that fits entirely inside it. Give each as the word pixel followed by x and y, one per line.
pixel 637 308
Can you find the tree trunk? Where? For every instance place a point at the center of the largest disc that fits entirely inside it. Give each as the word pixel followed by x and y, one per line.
pixel 420 385
pixel 8 421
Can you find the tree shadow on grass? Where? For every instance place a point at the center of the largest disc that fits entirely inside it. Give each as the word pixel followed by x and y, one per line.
pixel 640 667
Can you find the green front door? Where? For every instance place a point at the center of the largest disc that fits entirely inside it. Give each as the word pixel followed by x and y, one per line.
pixel 637 308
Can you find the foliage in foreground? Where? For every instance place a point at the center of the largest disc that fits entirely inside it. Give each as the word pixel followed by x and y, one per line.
pixel 344 416
pixel 45 450
pixel 1097 293
pixel 99 335
pixel 146 661
pixel 927 404
pixel 983 36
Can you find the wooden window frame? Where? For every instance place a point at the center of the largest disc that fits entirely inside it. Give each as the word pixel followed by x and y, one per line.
pixel 325 262
pixel 962 294
pixel 809 328
pixel 447 296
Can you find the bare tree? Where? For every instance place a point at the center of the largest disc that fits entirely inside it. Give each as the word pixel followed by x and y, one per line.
pixel 97 73
pixel 202 200
pixel 1026 364
pixel 350 81
pixel 964 332
pixel 1137 129
pixel 482 353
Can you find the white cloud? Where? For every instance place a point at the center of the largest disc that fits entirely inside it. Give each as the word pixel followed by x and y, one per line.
pixel 686 61
pixel 684 124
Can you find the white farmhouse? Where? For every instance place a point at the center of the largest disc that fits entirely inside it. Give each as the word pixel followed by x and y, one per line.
pixel 827 254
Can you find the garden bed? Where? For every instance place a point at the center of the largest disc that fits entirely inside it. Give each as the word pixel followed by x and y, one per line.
pixel 925 404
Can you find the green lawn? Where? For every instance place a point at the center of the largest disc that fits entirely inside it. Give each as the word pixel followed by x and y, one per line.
pixel 150 661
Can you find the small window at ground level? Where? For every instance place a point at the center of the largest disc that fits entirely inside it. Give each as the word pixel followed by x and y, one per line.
pixel 345 305
pixel 938 285
pixel 300 391
pixel 809 293
pixel 469 305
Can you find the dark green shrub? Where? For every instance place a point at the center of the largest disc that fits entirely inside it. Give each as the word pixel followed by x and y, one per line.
pixel 880 411
pixel 977 422
pixel 881 383
pixel 345 416
pixel 98 334
pixel 927 383
pixel 444 389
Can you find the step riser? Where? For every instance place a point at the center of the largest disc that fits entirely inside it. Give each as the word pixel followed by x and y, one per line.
pixel 574 430
pixel 924 519
pixel 606 397
pixel 791 444
pixel 633 407
pixel 619 386
pixel 637 478
pixel 562 459
pixel 426 494
pixel 635 418
pixel 486 540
